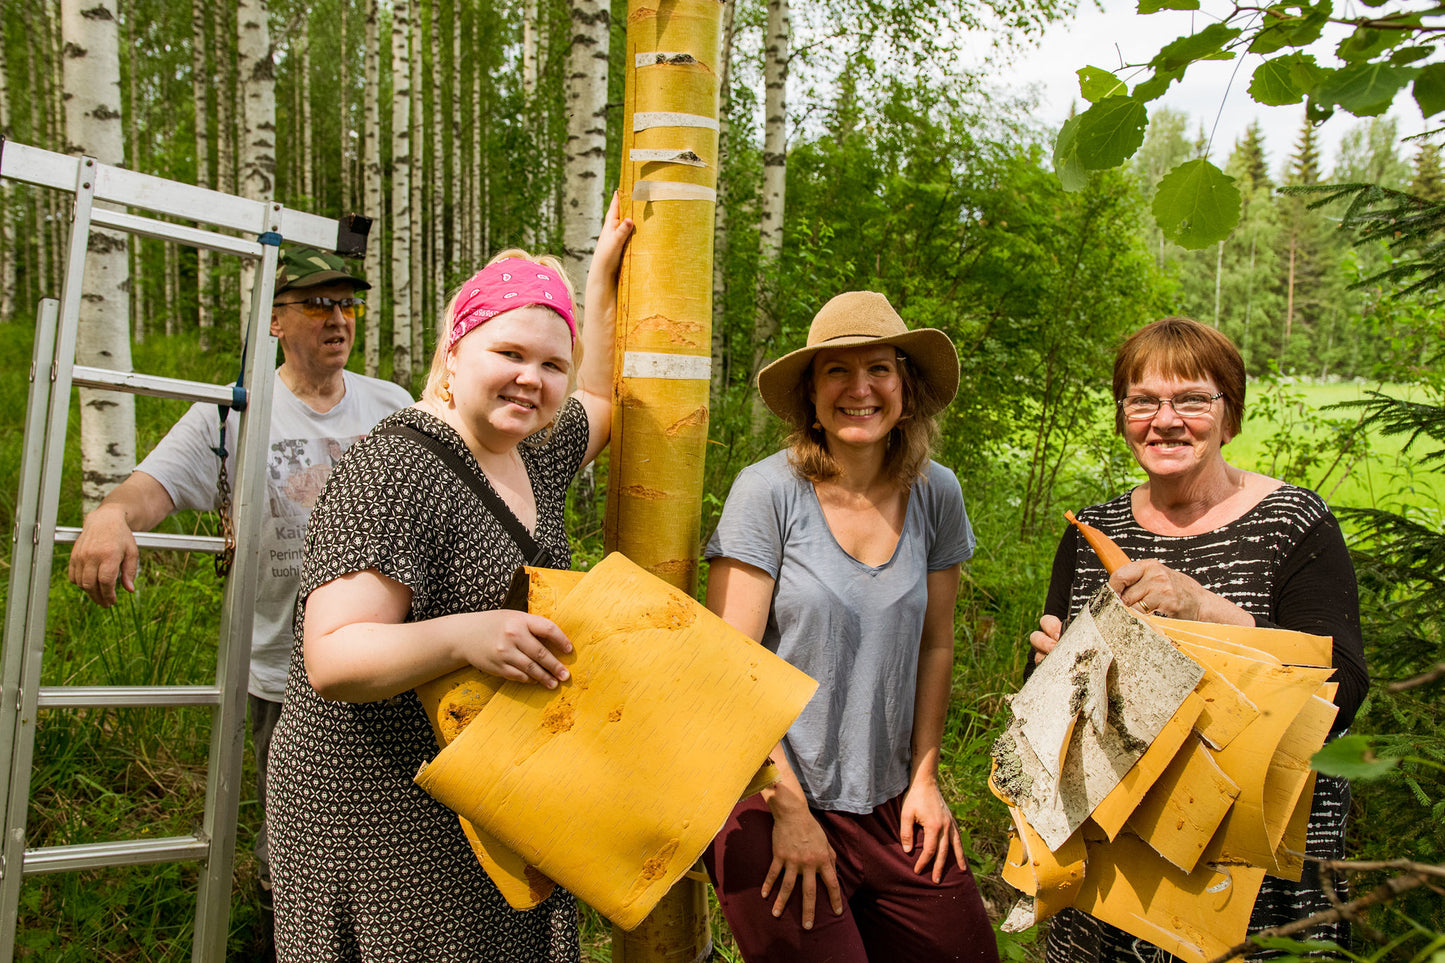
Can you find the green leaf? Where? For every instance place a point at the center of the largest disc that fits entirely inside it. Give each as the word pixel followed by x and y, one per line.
pixel 1096 83
pixel 1110 132
pixel 1155 86
pixel 1352 757
pixel 1207 44
pixel 1408 55
pixel 1286 29
pixel 1429 89
pixel 1071 173
pixel 1154 6
pixel 1196 204
pixel 1317 112
pixel 1365 90
pixel 1366 43
pixel 1276 82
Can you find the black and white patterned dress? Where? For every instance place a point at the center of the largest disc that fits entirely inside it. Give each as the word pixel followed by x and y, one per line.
pixel 1285 563
pixel 365 865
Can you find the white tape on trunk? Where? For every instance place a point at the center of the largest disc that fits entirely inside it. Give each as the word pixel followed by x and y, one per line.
pixel 645 191
pixel 646 119
pixel 678 367
pixel 670 155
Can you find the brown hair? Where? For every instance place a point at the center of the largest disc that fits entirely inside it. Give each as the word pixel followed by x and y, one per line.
pixel 1178 347
pixel 438 371
pixel 909 443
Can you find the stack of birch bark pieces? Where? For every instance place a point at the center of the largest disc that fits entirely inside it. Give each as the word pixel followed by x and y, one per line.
pixel 1156 769
pixel 613 783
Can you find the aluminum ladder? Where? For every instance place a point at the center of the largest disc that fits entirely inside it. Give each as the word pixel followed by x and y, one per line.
pixel 246 228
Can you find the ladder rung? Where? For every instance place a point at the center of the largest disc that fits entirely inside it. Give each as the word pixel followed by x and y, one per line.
pixel 151 385
pixel 166 231
pixel 88 696
pixel 67 534
pixel 126 852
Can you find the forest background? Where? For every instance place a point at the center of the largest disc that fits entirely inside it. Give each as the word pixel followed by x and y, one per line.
pixel 857 152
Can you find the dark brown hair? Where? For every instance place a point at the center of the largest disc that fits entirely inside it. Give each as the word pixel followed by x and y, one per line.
pixel 909 443
pixel 1182 348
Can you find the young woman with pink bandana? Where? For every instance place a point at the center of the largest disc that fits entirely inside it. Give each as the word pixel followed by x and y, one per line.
pixel 407 562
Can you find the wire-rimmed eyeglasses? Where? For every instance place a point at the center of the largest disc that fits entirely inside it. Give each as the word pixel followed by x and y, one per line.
pixel 1191 403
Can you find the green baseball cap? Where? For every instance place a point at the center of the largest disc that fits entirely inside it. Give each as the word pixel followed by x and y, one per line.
pixel 306 267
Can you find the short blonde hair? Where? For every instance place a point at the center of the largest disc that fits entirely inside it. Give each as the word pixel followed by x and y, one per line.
pixel 438 373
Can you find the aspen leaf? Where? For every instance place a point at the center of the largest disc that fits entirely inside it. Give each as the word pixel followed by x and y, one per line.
pixel 1155 86
pixel 1207 44
pixel 1283 80
pixel 1366 43
pixel 1365 90
pixel 1110 132
pixel 1154 6
pixel 1429 89
pixel 1408 55
pixel 1196 204
pixel 1071 173
pixel 1352 757
pixel 1096 83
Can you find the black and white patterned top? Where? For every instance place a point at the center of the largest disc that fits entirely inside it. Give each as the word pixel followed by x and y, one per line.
pixel 1285 562
pixel 365 865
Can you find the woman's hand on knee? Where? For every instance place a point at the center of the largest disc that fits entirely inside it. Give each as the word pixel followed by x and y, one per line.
pixel 801 852
pixel 925 808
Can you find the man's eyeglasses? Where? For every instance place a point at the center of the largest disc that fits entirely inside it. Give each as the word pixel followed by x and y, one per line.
pixel 319 308
pixel 1140 407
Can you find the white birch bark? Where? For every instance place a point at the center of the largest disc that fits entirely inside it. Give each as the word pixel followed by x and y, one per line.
pixel 720 212
pixel 775 173
pixel 401 193
pixel 93 127
pixel 227 96
pixel 257 173
pixel 530 35
pixel 439 179
pixel 308 164
pixel 371 185
pixel 586 158
pixel 418 214
pixel 8 248
pixel 141 310
pixel 348 203
pixel 464 207
pixel 200 88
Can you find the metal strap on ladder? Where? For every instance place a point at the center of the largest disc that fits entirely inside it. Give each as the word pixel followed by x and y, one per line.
pixel 53 375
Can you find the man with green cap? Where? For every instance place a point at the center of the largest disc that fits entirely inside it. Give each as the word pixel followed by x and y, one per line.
pixel 318 410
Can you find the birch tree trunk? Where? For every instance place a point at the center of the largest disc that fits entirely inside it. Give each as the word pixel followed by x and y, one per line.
pixel 308 162
pixel 660 414
pixel 225 104
pixel 258 118
pixel 141 306
pixel 371 182
pixel 720 354
pixel 775 175
pixel 93 127
pixel 199 91
pixel 586 159
pixel 401 194
pixel 348 203
pixel 529 51
pixel 439 179
pixel 463 219
pixel 8 248
pixel 418 215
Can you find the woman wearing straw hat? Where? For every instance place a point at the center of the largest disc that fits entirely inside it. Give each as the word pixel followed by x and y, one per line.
pixel 842 555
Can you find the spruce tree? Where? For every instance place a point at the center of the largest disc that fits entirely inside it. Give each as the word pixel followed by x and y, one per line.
pixel 1429 181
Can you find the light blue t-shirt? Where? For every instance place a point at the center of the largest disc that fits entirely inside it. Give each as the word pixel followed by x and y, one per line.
pixel 854 628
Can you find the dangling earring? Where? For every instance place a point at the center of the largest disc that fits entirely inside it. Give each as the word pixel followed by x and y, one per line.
pixel 444 391
pixel 817 425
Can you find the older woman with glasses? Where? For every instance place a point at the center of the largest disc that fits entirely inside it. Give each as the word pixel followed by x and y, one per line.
pixel 1214 543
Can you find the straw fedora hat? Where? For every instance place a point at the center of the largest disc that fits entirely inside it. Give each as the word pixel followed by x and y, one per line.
pixel 856 318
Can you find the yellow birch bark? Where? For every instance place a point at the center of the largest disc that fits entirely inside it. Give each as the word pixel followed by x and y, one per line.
pixel 664 345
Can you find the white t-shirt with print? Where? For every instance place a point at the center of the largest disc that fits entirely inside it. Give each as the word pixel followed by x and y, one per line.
pixel 305 444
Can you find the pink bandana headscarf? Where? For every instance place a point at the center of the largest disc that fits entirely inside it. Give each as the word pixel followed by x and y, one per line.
pixel 513 283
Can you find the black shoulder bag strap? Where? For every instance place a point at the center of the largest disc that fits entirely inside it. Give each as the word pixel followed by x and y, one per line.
pixel 540 557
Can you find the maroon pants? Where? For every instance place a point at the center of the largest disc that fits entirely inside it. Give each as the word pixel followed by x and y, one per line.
pixel 890 913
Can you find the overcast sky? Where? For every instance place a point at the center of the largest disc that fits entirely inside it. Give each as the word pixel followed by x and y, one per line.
pixel 1118 35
